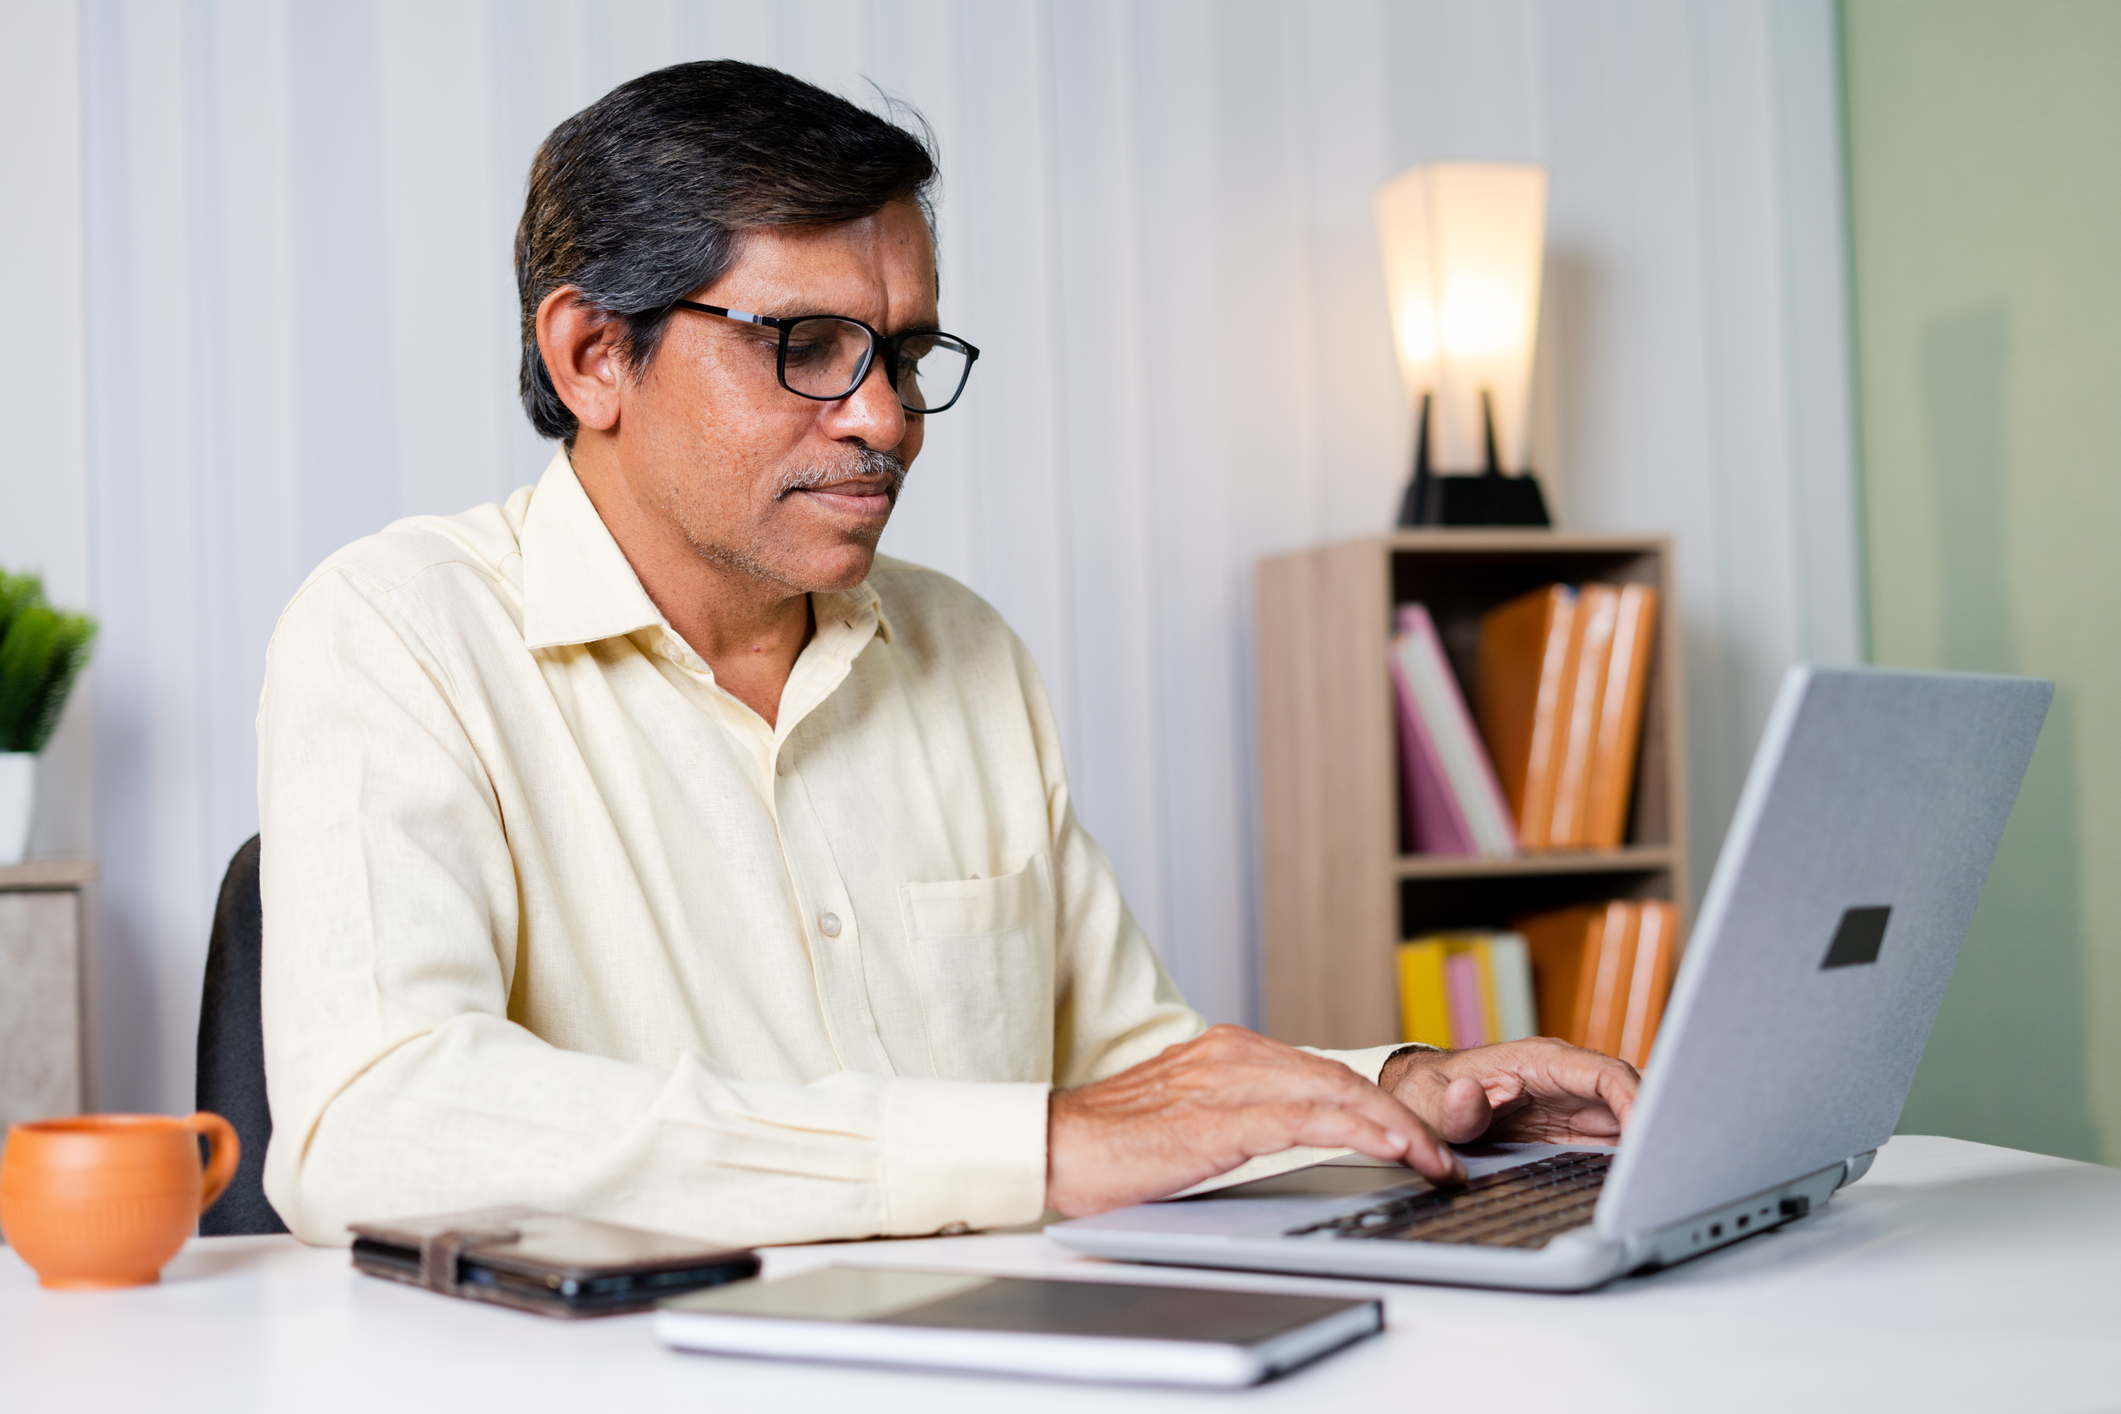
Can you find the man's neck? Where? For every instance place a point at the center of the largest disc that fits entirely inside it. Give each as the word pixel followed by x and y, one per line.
pixel 749 629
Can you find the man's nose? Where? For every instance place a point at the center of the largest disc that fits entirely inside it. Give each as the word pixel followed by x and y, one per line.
pixel 871 413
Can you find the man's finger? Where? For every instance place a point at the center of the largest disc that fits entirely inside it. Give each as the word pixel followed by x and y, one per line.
pixel 1588 1077
pixel 1273 1073
pixel 1465 1111
pixel 1459 1109
pixel 1426 1151
pixel 1326 1126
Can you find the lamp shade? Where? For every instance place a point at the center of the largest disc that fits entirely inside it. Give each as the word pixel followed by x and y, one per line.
pixel 1462 246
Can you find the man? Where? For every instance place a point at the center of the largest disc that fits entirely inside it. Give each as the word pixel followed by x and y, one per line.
pixel 647 847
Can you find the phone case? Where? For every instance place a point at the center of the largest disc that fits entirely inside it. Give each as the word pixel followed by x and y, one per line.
pixel 550 1263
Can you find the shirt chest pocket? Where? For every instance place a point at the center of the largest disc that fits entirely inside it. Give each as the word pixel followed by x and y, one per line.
pixel 982 950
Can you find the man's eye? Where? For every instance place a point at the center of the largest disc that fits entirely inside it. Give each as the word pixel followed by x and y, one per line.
pixel 806 352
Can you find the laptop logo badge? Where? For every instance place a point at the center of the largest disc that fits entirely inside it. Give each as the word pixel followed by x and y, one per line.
pixel 1857 940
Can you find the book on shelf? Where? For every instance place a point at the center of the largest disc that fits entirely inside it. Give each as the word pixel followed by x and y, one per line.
pixel 1453 802
pixel 1602 972
pixel 1620 717
pixel 1524 650
pixel 1465 989
pixel 1597 607
pixel 1558 703
pixel 1650 983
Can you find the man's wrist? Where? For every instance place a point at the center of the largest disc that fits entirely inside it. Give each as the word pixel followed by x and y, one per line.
pixel 1397 1063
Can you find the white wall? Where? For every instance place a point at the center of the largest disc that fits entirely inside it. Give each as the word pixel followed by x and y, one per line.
pixel 1156 224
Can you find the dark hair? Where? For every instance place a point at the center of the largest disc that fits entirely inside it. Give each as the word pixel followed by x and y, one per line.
pixel 639 199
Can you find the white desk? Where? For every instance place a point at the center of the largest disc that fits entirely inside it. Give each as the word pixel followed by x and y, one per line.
pixel 1955 1276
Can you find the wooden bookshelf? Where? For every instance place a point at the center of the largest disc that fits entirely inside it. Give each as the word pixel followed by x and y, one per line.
pixel 1337 888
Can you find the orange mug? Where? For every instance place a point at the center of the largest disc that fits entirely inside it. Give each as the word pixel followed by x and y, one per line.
pixel 99 1201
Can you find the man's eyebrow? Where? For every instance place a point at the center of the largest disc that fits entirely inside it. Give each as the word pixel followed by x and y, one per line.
pixel 791 309
pixel 782 309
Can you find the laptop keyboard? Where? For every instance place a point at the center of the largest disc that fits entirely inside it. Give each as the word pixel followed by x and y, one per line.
pixel 1525 1206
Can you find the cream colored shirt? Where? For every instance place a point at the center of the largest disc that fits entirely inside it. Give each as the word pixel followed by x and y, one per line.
pixel 551 918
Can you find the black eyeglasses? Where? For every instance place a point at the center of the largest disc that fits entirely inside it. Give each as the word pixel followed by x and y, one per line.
pixel 825 357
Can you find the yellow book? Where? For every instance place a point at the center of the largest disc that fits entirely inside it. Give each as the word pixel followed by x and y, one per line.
pixel 1477 944
pixel 1424 1006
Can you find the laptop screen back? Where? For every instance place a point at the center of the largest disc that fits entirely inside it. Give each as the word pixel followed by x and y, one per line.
pixel 1845 887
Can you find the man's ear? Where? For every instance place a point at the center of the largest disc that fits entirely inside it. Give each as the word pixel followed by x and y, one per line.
pixel 580 348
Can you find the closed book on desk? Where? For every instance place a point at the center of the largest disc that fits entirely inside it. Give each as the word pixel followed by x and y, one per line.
pixel 1518 698
pixel 1127 1332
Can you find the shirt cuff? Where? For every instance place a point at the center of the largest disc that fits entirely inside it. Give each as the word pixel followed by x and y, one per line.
pixel 961 1156
pixel 1369 1063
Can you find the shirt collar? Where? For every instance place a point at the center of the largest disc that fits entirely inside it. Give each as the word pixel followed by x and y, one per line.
pixel 578 586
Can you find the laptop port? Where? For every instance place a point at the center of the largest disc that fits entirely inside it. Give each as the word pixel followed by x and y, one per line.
pixel 1744 1221
pixel 1715 1229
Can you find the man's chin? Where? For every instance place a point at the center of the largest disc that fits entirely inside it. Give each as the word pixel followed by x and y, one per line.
pixel 813 569
pixel 844 569
pixel 830 569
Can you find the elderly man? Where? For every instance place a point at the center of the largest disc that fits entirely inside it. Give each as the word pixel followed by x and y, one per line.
pixel 648 847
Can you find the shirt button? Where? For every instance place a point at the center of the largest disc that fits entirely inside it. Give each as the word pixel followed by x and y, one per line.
pixel 829 924
pixel 780 767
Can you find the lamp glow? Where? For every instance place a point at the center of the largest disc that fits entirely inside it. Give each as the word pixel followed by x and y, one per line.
pixel 1462 248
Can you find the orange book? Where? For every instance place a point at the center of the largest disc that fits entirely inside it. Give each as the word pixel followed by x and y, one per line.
pixel 1610 970
pixel 1597 609
pixel 1620 718
pixel 1656 947
pixel 1559 943
pixel 1524 653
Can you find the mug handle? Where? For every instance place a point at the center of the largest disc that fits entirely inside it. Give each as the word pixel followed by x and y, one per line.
pixel 223 1150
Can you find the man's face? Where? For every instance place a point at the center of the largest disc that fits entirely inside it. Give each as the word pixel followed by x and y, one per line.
pixel 792 491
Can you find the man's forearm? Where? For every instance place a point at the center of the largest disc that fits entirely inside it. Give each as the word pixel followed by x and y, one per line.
pixel 482 1114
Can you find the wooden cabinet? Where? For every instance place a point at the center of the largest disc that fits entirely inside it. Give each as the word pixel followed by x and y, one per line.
pixel 42 998
pixel 1337 889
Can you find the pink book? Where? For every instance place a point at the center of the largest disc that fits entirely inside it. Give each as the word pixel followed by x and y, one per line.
pixel 1461 986
pixel 1453 801
pixel 1435 823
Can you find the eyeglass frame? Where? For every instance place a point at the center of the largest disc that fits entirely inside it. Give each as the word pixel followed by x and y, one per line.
pixel 890 343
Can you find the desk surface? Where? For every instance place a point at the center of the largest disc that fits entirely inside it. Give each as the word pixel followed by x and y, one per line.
pixel 1955 1276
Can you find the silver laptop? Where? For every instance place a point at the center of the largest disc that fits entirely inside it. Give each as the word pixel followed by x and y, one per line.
pixel 1845 887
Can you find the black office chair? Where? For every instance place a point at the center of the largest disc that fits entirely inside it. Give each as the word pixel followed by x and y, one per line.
pixel 232 1048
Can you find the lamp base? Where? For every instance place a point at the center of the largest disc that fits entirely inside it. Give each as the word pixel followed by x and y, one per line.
pixel 1489 498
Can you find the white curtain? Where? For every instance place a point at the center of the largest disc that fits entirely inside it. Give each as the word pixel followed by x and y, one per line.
pixel 300 325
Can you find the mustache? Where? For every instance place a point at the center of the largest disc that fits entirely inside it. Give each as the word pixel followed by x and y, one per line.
pixel 865 462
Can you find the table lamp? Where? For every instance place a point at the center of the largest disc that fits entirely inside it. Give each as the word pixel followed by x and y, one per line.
pixel 1462 245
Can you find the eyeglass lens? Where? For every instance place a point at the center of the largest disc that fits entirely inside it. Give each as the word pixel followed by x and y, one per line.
pixel 827 358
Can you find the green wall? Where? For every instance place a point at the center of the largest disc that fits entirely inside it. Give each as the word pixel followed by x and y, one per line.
pixel 1985 183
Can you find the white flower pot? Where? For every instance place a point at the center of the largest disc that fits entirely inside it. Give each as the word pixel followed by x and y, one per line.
pixel 18 782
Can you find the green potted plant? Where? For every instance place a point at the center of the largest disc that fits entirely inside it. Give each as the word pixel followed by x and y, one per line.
pixel 42 651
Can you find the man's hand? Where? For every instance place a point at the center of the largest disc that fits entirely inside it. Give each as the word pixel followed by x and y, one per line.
pixel 1539 1091
pixel 1205 1106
